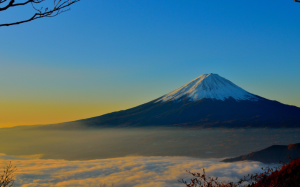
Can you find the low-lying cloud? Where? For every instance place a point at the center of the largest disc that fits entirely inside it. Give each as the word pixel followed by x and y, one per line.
pixel 123 172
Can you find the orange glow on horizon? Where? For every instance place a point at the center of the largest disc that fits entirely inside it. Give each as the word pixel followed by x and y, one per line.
pixel 32 113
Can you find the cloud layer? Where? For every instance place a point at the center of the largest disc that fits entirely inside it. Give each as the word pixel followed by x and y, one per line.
pixel 123 172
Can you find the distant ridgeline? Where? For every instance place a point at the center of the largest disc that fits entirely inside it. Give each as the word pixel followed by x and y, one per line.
pixel 209 101
pixel 273 154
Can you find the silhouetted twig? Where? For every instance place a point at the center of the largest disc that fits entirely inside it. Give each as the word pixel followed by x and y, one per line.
pixel 58 7
pixel 7 178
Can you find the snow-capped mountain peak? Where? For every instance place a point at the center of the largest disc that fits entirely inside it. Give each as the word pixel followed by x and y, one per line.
pixel 210 86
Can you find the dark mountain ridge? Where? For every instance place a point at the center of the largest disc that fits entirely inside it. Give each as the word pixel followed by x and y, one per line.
pixel 272 154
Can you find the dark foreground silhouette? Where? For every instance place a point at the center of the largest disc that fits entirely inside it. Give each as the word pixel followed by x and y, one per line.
pixel 7 178
pixel 287 175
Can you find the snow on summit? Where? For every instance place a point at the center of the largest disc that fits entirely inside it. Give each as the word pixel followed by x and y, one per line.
pixel 210 86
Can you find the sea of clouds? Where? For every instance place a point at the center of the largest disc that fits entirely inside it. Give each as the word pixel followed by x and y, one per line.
pixel 123 172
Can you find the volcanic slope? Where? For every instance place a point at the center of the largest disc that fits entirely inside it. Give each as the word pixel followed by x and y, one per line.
pixel 208 101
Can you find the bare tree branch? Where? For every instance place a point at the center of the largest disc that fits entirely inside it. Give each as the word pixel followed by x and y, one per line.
pixel 59 6
pixel 13 4
pixel 7 178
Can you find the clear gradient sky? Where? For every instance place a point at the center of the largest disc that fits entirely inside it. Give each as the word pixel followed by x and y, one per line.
pixel 104 56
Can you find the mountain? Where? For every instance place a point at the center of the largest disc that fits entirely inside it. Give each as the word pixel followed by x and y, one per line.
pixel 207 101
pixel 273 154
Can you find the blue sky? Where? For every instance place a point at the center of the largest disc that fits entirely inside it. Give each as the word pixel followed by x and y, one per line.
pixel 104 56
